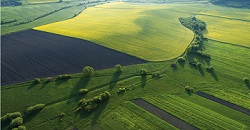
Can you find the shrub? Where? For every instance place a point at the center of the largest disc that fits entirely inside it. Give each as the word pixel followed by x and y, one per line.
pixel 246 80
pixel 21 127
pixel 173 65
pixel 65 76
pixel 37 81
pixel 49 79
pixel 143 72
pixel 210 68
pixel 198 64
pixel 96 99
pixel 118 68
pixel 83 91
pixel 121 90
pixel 11 116
pixel 16 122
pixel 181 59
pixel 88 71
pixel 189 89
pixel 156 75
pixel 35 108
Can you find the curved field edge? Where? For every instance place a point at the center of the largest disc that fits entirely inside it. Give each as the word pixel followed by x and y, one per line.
pixel 150 32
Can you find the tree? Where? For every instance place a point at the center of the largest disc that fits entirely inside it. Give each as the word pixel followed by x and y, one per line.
pixel 88 71
pixel 118 68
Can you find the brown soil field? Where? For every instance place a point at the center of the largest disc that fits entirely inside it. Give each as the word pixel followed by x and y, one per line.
pixel 223 102
pixel 178 123
pixel 34 54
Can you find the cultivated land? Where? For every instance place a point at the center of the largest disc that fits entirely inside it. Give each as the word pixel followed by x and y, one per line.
pixel 31 15
pixel 164 86
pixel 30 54
pixel 149 32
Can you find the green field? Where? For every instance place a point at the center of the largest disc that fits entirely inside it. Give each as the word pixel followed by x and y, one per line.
pixel 195 114
pixel 230 58
pixel 151 32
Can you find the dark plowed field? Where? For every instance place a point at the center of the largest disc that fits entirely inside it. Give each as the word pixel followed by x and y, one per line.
pixel 30 54
pixel 225 103
pixel 178 123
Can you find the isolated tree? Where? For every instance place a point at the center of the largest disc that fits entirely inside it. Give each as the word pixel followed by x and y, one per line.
pixel 88 71
pixel 118 68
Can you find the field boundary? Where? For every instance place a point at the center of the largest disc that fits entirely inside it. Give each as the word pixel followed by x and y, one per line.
pixel 173 120
pixel 223 102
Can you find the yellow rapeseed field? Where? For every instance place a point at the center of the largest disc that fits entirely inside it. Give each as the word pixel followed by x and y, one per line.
pixel 225 30
pixel 148 31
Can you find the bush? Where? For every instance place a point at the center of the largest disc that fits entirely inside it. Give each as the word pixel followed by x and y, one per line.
pixel 143 72
pixel 11 116
pixel 88 71
pixel 156 75
pixel 37 81
pixel 246 80
pixel 210 68
pixel 16 122
pixel 83 91
pixel 181 59
pixel 121 90
pixel 65 76
pixel 49 79
pixel 198 64
pixel 21 127
pixel 118 68
pixel 189 89
pixel 173 65
pixel 35 108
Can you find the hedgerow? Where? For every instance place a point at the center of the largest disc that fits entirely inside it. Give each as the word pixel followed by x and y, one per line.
pixel 11 116
pixel 83 91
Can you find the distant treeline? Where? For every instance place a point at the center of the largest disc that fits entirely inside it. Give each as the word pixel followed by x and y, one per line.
pixel 232 3
pixel 10 3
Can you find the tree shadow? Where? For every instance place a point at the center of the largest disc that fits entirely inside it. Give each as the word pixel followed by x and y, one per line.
pixel 114 80
pixel 213 74
pixel 44 85
pixel 60 81
pixel 247 84
pixel 98 111
pixel 201 71
pixel 182 64
pixel 143 80
pixel 29 117
pixel 82 83
pixel 32 85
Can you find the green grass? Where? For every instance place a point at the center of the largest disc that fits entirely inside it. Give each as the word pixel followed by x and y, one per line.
pixel 194 114
pixel 130 116
pixel 233 96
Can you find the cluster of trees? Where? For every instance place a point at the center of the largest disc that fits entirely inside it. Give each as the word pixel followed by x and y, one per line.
pixel 89 105
pixel 232 3
pixel 197 26
pixel 10 3
pixel 14 120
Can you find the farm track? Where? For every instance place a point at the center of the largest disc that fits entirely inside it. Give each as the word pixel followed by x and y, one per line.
pixel 223 102
pixel 52 55
pixel 163 115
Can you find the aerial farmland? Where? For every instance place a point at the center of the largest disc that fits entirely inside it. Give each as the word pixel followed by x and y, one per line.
pixel 125 65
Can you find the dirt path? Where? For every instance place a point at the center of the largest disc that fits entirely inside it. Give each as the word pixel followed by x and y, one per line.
pixel 223 102
pixel 178 123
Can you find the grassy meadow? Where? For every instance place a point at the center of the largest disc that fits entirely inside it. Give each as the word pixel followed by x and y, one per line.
pixel 150 32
